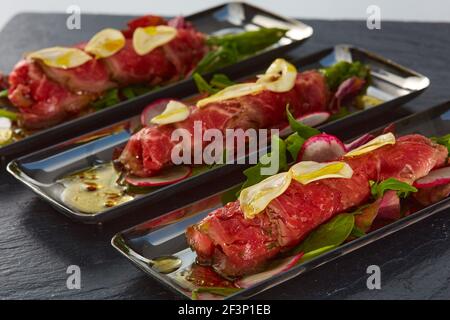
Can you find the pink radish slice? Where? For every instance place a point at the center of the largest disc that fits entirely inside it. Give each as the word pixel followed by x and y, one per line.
pixel 167 176
pixel 311 119
pixel 358 142
pixel 435 178
pixel 320 148
pixel 390 206
pixel 152 110
pixel 347 89
pixel 253 279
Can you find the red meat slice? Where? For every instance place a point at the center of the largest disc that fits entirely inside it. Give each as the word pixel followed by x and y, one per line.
pixel 149 150
pixel 127 67
pixel 41 101
pixel 142 22
pixel 46 95
pixel 235 246
pixel 92 77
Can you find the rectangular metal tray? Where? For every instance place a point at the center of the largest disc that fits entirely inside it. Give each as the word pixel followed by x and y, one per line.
pixel 40 170
pixel 165 235
pixel 232 17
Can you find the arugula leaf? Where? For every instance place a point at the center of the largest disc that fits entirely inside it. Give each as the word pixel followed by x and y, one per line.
pixel 110 98
pixel 330 234
pixel 254 174
pixel 343 70
pixel 221 81
pixel 315 253
pixel 231 48
pixel 249 42
pixel 443 140
pixel 303 130
pixel 116 95
pixel 220 291
pixel 218 82
pixel 293 144
pixel 218 58
pixel 4 93
pixel 8 114
pixel 136 90
pixel 378 189
pixel 357 232
pixel 202 85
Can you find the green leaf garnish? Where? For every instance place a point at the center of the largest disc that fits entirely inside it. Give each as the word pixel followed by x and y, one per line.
pixel 249 42
pixel 315 253
pixel 110 98
pixel 217 83
pixel 4 94
pixel 221 81
pixel 202 85
pixel 254 174
pixel 8 114
pixel 378 189
pixel 343 70
pixel 231 48
pixel 328 235
pixel 220 291
pixel 303 130
pixel 442 140
pixel 357 232
pixel 133 91
pixel 293 144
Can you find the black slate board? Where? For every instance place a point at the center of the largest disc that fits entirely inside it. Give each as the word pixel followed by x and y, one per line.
pixel 37 244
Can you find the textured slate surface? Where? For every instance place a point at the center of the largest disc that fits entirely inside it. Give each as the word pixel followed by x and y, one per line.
pixel 37 244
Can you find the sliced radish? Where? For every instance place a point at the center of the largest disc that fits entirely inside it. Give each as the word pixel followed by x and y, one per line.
pixel 385 208
pixel 434 178
pixel 359 142
pixel 320 148
pixel 154 109
pixel 390 206
pixel 346 90
pixel 311 119
pixel 167 176
pixel 253 279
